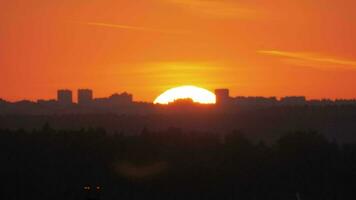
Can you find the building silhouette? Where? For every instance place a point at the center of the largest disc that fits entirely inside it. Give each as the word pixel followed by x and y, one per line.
pixel 222 96
pixel 64 97
pixel 114 100
pixel 123 98
pixel 85 96
pixel 254 101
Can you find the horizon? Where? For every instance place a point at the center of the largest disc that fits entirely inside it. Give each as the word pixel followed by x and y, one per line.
pixel 75 97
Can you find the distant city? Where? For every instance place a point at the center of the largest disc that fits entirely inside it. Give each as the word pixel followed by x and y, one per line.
pixel 123 103
pixel 85 98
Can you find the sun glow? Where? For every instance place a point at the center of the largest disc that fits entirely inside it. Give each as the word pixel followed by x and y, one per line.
pixel 198 95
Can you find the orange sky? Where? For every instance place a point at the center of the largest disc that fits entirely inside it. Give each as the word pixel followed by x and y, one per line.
pixel 253 47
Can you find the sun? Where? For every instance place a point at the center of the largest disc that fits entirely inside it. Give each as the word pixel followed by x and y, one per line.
pixel 197 94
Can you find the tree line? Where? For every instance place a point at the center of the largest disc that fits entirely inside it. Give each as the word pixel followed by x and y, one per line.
pixel 173 164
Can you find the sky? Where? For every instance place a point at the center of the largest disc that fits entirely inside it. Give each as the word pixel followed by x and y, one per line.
pixel 253 47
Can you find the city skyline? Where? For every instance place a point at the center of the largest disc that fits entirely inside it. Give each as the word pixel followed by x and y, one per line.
pixel 68 96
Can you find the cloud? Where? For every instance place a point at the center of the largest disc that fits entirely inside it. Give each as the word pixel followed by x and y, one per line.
pixel 216 8
pixel 311 59
pixel 135 28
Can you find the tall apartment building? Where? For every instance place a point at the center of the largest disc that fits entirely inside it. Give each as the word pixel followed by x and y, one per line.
pixel 85 96
pixel 64 97
pixel 222 96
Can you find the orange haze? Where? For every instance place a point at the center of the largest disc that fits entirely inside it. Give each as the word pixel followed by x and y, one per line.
pixel 253 47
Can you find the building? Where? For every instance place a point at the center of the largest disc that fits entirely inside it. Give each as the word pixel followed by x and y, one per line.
pixel 85 96
pixel 114 100
pixel 64 97
pixel 222 96
pixel 121 99
pixel 255 101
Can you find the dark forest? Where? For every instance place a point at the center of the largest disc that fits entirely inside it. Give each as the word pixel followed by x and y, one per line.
pixel 173 164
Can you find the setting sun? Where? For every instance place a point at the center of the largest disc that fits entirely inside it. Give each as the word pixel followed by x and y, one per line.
pixel 198 95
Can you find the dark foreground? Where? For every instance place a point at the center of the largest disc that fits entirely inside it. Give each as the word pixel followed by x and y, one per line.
pixel 55 164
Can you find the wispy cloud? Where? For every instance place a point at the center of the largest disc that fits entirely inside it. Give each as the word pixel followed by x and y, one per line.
pixel 134 28
pixel 312 59
pixel 216 8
